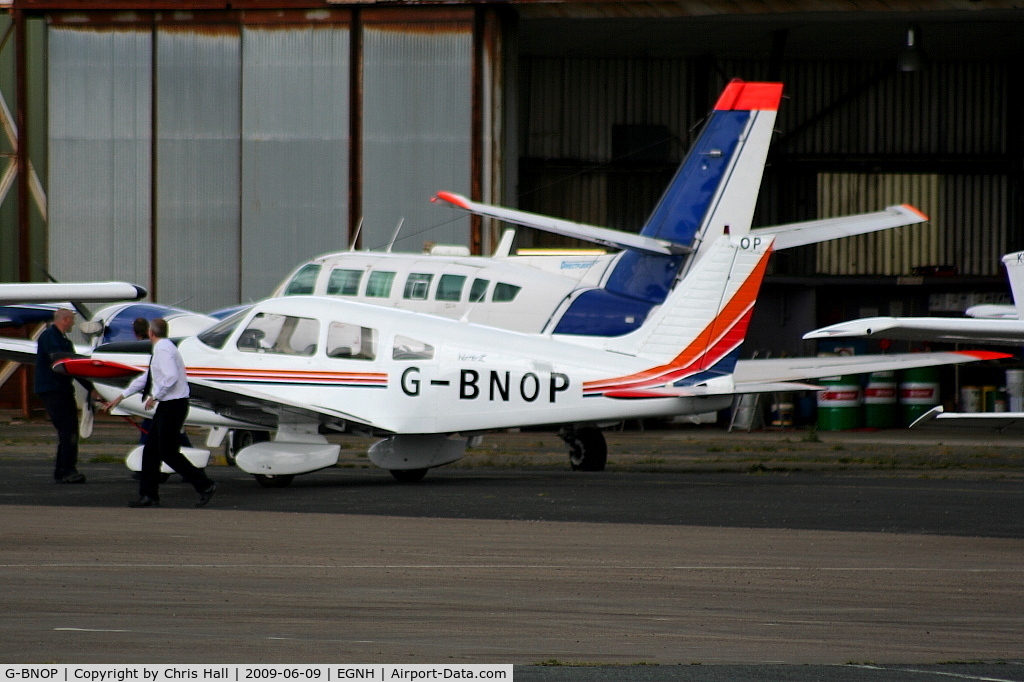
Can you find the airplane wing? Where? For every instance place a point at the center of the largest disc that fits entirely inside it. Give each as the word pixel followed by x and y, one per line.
pixel 750 373
pixel 243 405
pixel 265 410
pixel 993 311
pixel 813 231
pixel 999 422
pixel 39 292
pixel 946 329
pixel 18 350
pixel 591 233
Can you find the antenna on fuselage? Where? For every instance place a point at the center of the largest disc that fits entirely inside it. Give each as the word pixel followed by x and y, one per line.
pixel 394 237
pixel 355 237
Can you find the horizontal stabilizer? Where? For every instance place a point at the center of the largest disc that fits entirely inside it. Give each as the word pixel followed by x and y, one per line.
pixel 946 329
pixel 999 422
pixel 814 231
pixel 796 369
pixel 702 390
pixel 591 233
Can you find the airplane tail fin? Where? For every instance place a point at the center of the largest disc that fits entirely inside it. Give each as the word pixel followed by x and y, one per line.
pixel 713 193
pixel 1014 263
pixel 716 186
pixel 695 337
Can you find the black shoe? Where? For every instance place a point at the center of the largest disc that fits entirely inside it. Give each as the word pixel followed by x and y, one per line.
pixel 144 501
pixel 206 495
pixel 71 478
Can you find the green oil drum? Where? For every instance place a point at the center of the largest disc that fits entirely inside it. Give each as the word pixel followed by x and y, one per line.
pixel 919 392
pixel 880 405
pixel 840 404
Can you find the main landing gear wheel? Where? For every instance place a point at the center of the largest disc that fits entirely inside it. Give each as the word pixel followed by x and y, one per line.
pixel 588 450
pixel 241 438
pixel 408 475
pixel 274 481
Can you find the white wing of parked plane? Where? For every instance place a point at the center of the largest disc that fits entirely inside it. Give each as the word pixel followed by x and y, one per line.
pixel 1000 422
pixel 945 329
pixel 990 324
pixel 44 292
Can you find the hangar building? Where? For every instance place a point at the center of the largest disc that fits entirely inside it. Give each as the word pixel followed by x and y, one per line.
pixel 206 148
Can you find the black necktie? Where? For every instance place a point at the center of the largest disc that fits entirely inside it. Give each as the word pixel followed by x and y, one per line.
pixel 149 379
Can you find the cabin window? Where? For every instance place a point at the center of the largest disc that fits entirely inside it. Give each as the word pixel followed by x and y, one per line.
pixel 279 334
pixel 351 341
pixel 449 287
pixel 503 293
pixel 217 335
pixel 378 285
pixel 478 290
pixel 344 282
pixel 417 286
pixel 304 281
pixel 406 348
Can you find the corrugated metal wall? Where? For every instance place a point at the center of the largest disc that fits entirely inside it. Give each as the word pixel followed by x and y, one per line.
pixel 570 108
pixel 198 126
pixel 417 131
pixel 914 127
pixel 252 135
pixel 892 252
pixel 99 180
pixel 295 140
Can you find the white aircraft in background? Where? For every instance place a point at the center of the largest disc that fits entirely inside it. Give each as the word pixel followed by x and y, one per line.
pixel 989 324
pixel 665 341
pixel 596 293
pixel 1000 325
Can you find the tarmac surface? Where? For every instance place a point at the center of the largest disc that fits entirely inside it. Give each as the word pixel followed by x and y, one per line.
pixel 699 554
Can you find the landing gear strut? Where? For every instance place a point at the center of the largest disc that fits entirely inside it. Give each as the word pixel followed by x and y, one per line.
pixel 587 448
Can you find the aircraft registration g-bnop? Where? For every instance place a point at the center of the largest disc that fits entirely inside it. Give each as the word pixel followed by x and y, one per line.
pixel 659 337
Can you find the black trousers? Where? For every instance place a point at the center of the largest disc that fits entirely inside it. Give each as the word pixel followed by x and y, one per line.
pixel 63 412
pixel 163 445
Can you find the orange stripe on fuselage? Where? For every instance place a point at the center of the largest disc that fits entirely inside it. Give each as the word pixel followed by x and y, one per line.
pixel 724 324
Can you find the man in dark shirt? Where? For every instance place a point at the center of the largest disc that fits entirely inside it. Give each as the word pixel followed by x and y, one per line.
pixel 58 394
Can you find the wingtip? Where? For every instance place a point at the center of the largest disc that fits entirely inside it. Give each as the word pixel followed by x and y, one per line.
pixel 915 210
pixel 452 198
pixel 984 354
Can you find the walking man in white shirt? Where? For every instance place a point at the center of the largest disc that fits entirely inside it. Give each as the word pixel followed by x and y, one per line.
pixel 166 386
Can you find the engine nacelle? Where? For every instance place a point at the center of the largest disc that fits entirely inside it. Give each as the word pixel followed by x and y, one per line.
pixel 277 458
pixel 416 451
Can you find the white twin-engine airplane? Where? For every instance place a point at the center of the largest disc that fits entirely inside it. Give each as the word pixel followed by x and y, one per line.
pixel 305 366
pixel 657 334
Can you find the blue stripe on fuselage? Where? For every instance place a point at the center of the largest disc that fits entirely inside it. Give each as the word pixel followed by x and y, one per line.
pixel 727 365
pixel 639 281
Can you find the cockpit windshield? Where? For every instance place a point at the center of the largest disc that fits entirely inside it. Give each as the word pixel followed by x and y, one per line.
pixel 217 335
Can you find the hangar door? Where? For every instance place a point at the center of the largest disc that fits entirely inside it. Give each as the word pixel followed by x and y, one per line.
pixel 206 161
